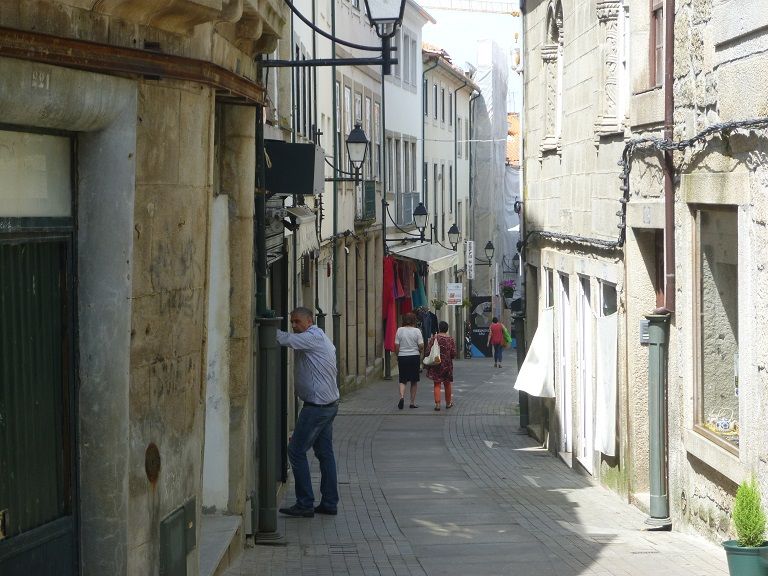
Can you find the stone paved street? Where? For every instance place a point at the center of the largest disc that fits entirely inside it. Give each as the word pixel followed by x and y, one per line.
pixel 465 492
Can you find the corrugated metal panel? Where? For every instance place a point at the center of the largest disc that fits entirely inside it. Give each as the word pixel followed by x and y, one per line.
pixel 31 382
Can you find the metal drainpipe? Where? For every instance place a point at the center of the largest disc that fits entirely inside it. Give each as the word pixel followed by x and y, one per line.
pixel 522 345
pixel 471 210
pixel 659 323
pixel 669 187
pixel 346 306
pixel 455 184
pixel 320 315
pixel 334 297
pixel 456 150
pixel 657 439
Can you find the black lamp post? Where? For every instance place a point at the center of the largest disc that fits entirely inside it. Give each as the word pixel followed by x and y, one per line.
pixel 385 17
pixel 453 236
pixel 357 147
pixel 489 250
pixel 357 150
pixel 420 217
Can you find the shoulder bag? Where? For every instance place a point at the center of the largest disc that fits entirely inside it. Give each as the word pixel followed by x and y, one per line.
pixel 433 358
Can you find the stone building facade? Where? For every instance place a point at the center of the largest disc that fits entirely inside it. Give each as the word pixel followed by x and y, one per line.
pixel 594 158
pixel 716 363
pixel 129 144
pixel 575 111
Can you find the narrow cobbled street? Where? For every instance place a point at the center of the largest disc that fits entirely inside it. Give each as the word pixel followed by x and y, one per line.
pixel 466 492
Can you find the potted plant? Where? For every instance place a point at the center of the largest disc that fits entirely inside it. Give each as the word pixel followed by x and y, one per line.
pixel 507 288
pixel 747 554
pixel 437 303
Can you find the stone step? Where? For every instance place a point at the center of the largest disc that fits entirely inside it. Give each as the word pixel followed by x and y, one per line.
pixel 220 543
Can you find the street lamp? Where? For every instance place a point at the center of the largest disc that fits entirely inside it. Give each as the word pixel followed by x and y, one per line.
pixel 357 146
pixel 489 250
pixel 357 149
pixel 420 219
pixel 453 235
pixel 385 16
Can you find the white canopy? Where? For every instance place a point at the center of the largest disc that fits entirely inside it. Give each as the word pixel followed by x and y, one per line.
pixel 436 257
pixel 537 374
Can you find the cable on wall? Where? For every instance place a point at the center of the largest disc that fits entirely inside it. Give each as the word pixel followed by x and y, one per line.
pixel 651 142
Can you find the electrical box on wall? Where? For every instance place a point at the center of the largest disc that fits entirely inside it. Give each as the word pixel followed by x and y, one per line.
pixel 294 168
pixel 177 539
pixel 645 331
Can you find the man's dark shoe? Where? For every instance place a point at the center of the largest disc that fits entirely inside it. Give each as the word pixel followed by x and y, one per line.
pixel 297 512
pixel 323 510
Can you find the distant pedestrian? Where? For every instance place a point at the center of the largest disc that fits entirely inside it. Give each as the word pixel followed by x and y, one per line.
pixel 315 384
pixel 409 347
pixel 443 373
pixel 496 339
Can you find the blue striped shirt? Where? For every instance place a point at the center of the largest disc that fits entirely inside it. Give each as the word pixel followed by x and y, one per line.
pixel 315 357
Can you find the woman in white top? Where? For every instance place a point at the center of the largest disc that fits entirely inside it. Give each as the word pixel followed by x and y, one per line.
pixel 409 347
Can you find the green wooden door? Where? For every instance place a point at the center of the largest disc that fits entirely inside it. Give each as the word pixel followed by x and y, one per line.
pixel 37 533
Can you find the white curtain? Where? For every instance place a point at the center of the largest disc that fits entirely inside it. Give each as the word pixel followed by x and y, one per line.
pixel 605 416
pixel 537 374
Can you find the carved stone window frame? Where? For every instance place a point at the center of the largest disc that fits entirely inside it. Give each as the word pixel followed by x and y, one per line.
pixel 552 62
pixel 610 119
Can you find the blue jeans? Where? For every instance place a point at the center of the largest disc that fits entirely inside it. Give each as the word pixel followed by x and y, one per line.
pixel 314 429
pixel 497 348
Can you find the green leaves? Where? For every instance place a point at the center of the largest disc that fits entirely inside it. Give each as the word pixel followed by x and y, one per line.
pixel 748 515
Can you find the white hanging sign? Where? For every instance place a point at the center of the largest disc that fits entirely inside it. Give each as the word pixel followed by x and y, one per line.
pixel 470 259
pixel 454 294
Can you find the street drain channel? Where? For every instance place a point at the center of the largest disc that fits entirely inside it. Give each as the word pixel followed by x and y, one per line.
pixel 342 549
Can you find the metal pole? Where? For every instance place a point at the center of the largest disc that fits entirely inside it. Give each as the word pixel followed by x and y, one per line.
pixel 336 330
pixel 387 353
pixel 268 411
pixel 518 319
pixel 657 421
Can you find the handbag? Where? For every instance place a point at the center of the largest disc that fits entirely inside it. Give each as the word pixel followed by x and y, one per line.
pixel 507 337
pixel 433 358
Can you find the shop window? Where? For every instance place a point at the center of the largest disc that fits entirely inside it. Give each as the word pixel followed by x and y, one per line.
pixel 716 307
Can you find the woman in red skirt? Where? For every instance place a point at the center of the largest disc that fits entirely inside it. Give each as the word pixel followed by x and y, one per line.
pixel 442 373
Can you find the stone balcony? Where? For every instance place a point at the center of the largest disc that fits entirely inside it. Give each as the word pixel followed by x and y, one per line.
pixel 254 26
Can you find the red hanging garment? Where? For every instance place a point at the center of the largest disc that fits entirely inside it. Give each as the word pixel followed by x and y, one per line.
pixel 406 305
pixel 387 288
pixel 391 328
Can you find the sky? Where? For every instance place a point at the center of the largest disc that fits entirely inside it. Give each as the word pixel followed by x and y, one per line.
pixel 457 32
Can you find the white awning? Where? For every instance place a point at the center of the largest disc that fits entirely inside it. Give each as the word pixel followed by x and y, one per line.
pixel 436 257
pixel 304 220
pixel 536 375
